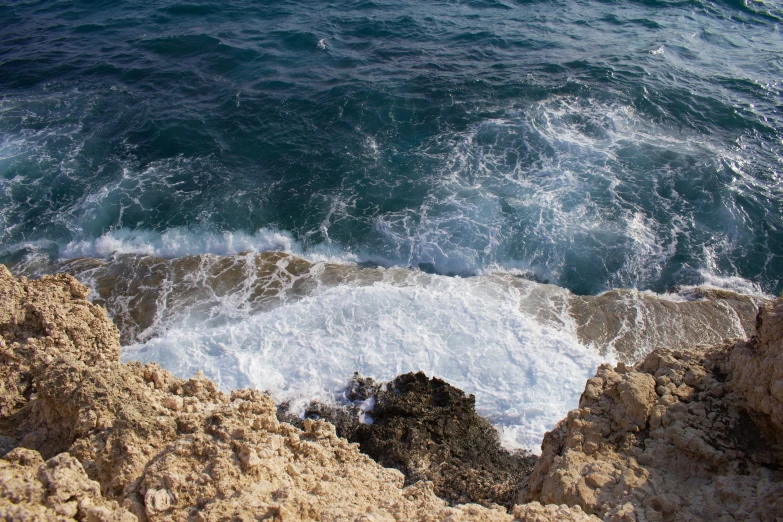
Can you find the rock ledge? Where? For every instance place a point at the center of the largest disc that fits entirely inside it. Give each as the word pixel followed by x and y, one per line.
pixel 681 436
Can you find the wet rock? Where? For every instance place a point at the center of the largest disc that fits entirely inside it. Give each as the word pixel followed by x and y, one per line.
pixel 6 444
pixel 140 290
pixel 633 323
pixel 429 430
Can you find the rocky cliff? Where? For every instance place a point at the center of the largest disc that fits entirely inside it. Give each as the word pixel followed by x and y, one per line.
pixel 87 438
pixel 683 435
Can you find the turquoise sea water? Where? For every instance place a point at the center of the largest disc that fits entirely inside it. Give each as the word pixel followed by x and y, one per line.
pixel 592 145
pixel 443 158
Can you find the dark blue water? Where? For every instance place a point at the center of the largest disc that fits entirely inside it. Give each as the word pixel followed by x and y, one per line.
pixel 588 144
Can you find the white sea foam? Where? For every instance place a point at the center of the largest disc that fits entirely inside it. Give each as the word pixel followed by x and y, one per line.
pixel 560 169
pixel 647 254
pixel 471 332
pixel 734 284
pixel 649 248
pixel 179 242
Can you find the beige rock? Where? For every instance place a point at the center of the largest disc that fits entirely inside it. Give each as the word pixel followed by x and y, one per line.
pixel 757 371
pixel 157 501
pixel 42 320
pixel 159 447
pixel 536 512
pixel 672 438
pixel 58 489
pixel 173 402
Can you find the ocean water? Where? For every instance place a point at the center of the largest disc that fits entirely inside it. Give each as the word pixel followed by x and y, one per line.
pixel 481 165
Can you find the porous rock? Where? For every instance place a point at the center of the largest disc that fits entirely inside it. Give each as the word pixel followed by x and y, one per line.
pixel 41 320
pixel 537 512
pixel 429 430
pixel 683 435
pixel 689 435
pixel 56 490
pixel 145 452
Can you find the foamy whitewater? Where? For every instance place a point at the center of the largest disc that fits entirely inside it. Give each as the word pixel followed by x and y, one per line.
pixel 500 193
pixel 471 332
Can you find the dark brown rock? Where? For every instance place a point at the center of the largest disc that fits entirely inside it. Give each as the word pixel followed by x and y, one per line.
pixel 429 430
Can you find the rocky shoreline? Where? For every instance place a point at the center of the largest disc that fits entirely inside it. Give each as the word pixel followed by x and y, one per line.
pixel 429 431
pixel 683 435
pixel 142 291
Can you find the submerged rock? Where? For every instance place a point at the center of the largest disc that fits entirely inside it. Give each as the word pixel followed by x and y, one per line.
pixel 143 292
pixel 633 323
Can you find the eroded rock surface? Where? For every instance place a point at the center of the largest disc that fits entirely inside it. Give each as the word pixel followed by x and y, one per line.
pixel 683 435
pixel 429 430
pixel 537 512
pixel 674 438
pixel 164 448
pixel 41 320
pixel 756 370
pixel 56 490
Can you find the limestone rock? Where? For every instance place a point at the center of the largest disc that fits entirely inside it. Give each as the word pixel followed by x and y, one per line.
pixel 757 371
pixel 41 320
pixel 674 437
pixel 683 435
pixel 160 447
pixel 58 489
pixel 536 512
